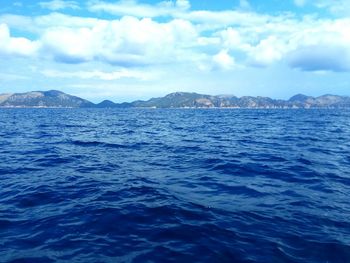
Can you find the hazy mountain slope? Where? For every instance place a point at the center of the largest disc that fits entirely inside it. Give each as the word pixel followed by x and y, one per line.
pixel 52 98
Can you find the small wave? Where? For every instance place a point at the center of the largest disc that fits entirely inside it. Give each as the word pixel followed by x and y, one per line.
pixel 96 144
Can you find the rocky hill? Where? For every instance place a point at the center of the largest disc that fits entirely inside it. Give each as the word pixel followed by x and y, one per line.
pixel 59 99
pixel 43 99
pixel 195 100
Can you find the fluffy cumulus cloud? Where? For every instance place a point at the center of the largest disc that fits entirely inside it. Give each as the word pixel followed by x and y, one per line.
pixel 223 60
pixel 326 47
pixel 15 46
pixel 139 35
pixel 301 44
pixel 126 42
pixel 321 58
pixel 267 51
pixel 183 4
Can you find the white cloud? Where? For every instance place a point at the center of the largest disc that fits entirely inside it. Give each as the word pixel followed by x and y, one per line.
pixel 276 41
pixel 19 22
pixel 68 45
pixel 223 60
pixel 125 42
pixel 231 38
pixel 339 8
pixel 40 24
pixel 54 20
pixel 59 4
pixel 326 47
pixel 96 74
pixel 11 77
pixel 133 8
pixel 15 46
pixel 179 9
pixel 183 4
pixel 268 51
pixel 321 58
pixel 336 7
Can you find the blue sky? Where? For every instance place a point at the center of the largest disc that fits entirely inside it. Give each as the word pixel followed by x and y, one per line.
pixel 129 49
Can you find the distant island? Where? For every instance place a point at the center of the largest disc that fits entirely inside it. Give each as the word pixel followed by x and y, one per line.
pixel 58 99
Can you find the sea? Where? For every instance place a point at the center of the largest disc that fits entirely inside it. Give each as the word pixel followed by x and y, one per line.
pixel 174 185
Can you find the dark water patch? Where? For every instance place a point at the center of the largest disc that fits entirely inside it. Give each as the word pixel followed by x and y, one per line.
pixel 32 259
pixel 38 198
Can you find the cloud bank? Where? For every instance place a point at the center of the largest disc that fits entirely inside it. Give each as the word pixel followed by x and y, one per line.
pixel 170 32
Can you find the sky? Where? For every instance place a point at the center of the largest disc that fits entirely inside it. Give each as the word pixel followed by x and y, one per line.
pixel 137 49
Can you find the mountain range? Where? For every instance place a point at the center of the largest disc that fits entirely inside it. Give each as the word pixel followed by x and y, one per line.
pixel 58 99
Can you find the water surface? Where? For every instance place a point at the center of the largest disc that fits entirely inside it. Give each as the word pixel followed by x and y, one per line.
pixel 101 185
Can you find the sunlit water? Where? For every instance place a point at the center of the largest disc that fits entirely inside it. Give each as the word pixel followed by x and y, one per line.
pixel 80 185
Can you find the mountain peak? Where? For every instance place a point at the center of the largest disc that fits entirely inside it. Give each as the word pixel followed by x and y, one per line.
pixel 106 104
pixel 43 99
pixel 180 94
pixel 53 93
pixel 299 98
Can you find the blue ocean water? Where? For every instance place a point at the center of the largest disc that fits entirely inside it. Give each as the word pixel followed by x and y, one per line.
pixel 138 185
